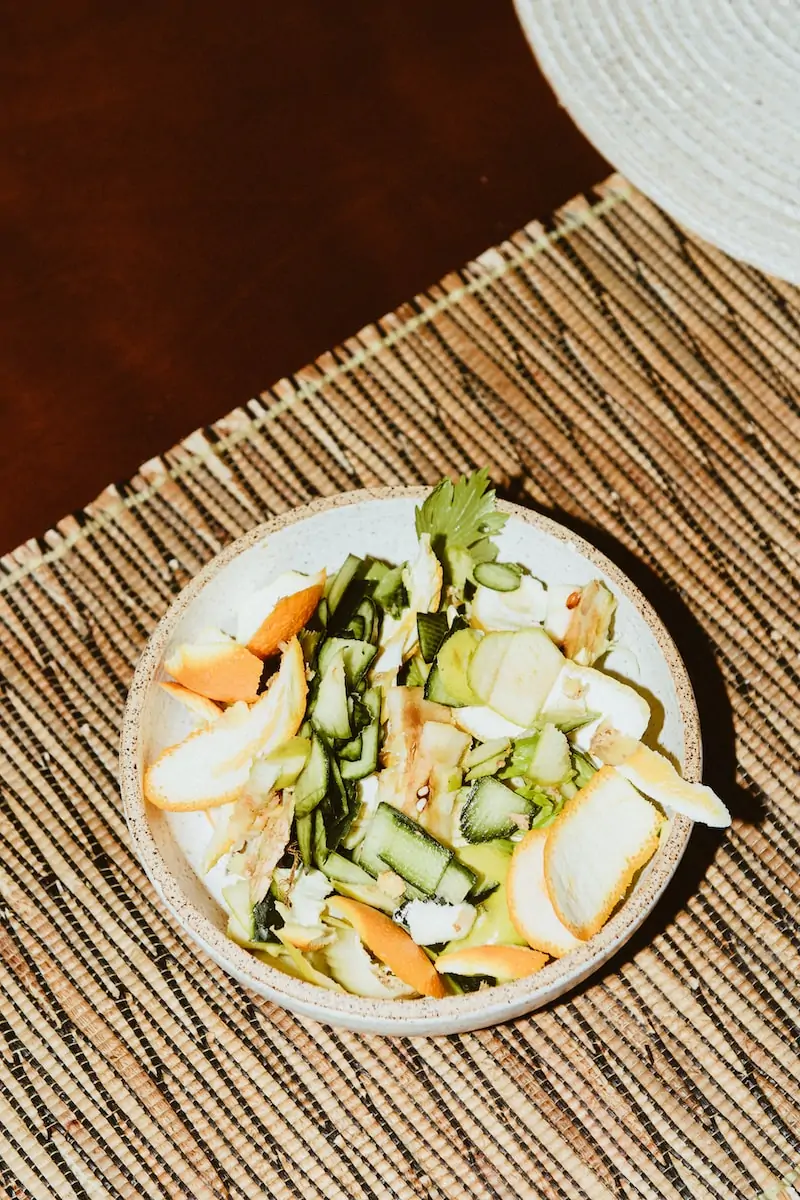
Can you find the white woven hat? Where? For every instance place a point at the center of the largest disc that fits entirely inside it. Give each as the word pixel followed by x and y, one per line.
pixel 697 102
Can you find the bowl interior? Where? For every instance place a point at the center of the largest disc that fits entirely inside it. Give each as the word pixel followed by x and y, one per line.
pixel 171 845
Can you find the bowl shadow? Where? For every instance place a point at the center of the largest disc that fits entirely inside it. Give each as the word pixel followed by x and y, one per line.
pixel 716 725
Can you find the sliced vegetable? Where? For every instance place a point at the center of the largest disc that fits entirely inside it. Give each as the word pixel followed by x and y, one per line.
pixel 394 840
pixel 514 672
pixel 453 661
pixel 568 721
pixel 369 893
pixel 416 674
pixel 343 870
pixel 312 785
pixel 486 752
pixel 368 613
pixel 456 883
pixel 544 757
pixel 487 758
pixel 351 751
pixel 498 611
pixel 390 592
pixel 500 577
pixel 435 690
pixel 304 828
pixel 330 711
pixel 432 629
pixel 493 810
pixel 319 839
pixel 304 968
pixel 350 570
pixel 367 761
pixel 489 862
pixel 237 897
pixel 493 924
pixel 356 655
pixel 583 768
pixel 287 762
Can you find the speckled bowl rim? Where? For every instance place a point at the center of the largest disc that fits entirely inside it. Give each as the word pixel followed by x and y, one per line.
pixel 402 1017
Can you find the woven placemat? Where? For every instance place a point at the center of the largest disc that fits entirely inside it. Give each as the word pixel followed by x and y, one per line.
pixel 643 388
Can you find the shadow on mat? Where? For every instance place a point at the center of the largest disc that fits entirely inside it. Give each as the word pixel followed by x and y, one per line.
pixel 716 723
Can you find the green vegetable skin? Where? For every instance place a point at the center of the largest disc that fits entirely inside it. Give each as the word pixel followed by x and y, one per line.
pixel 453 661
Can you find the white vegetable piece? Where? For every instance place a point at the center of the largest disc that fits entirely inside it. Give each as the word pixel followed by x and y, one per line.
pixel 484 723
pixel 557 615
pixel 430 922
pixel 307 897
pixel 587 690
pixel 509 611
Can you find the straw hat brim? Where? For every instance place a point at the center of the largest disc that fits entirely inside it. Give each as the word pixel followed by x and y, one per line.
pixel 698 104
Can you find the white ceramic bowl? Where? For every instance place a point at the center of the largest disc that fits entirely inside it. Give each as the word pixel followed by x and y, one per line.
pixel 321 535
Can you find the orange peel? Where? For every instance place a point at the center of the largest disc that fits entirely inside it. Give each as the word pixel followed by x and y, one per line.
pixel 286 618
pixel 391 944
pixel 529 904
pixel 212 765
pixel 223 671
pixel 594 848
pixel 197 705
pixel 503 963
pixel 654 775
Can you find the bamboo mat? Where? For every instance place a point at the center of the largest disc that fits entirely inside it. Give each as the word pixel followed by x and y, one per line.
pixel 637 384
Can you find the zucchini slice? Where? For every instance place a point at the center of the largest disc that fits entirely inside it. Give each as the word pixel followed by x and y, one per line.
pixel 456 883
pixel 396 842
pixel 330 711
pixel 453 661
pixel 390 591
pixel 305 829
pixel 350 569
pixel 312 783
pixel 356 654
pixel 436 692
pixel 370 735
pixel 489 811
pixel 341 870
pixel 432 629
pixel 500 577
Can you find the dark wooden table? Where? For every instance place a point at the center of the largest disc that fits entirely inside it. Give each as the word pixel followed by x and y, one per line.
pixel 198 198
